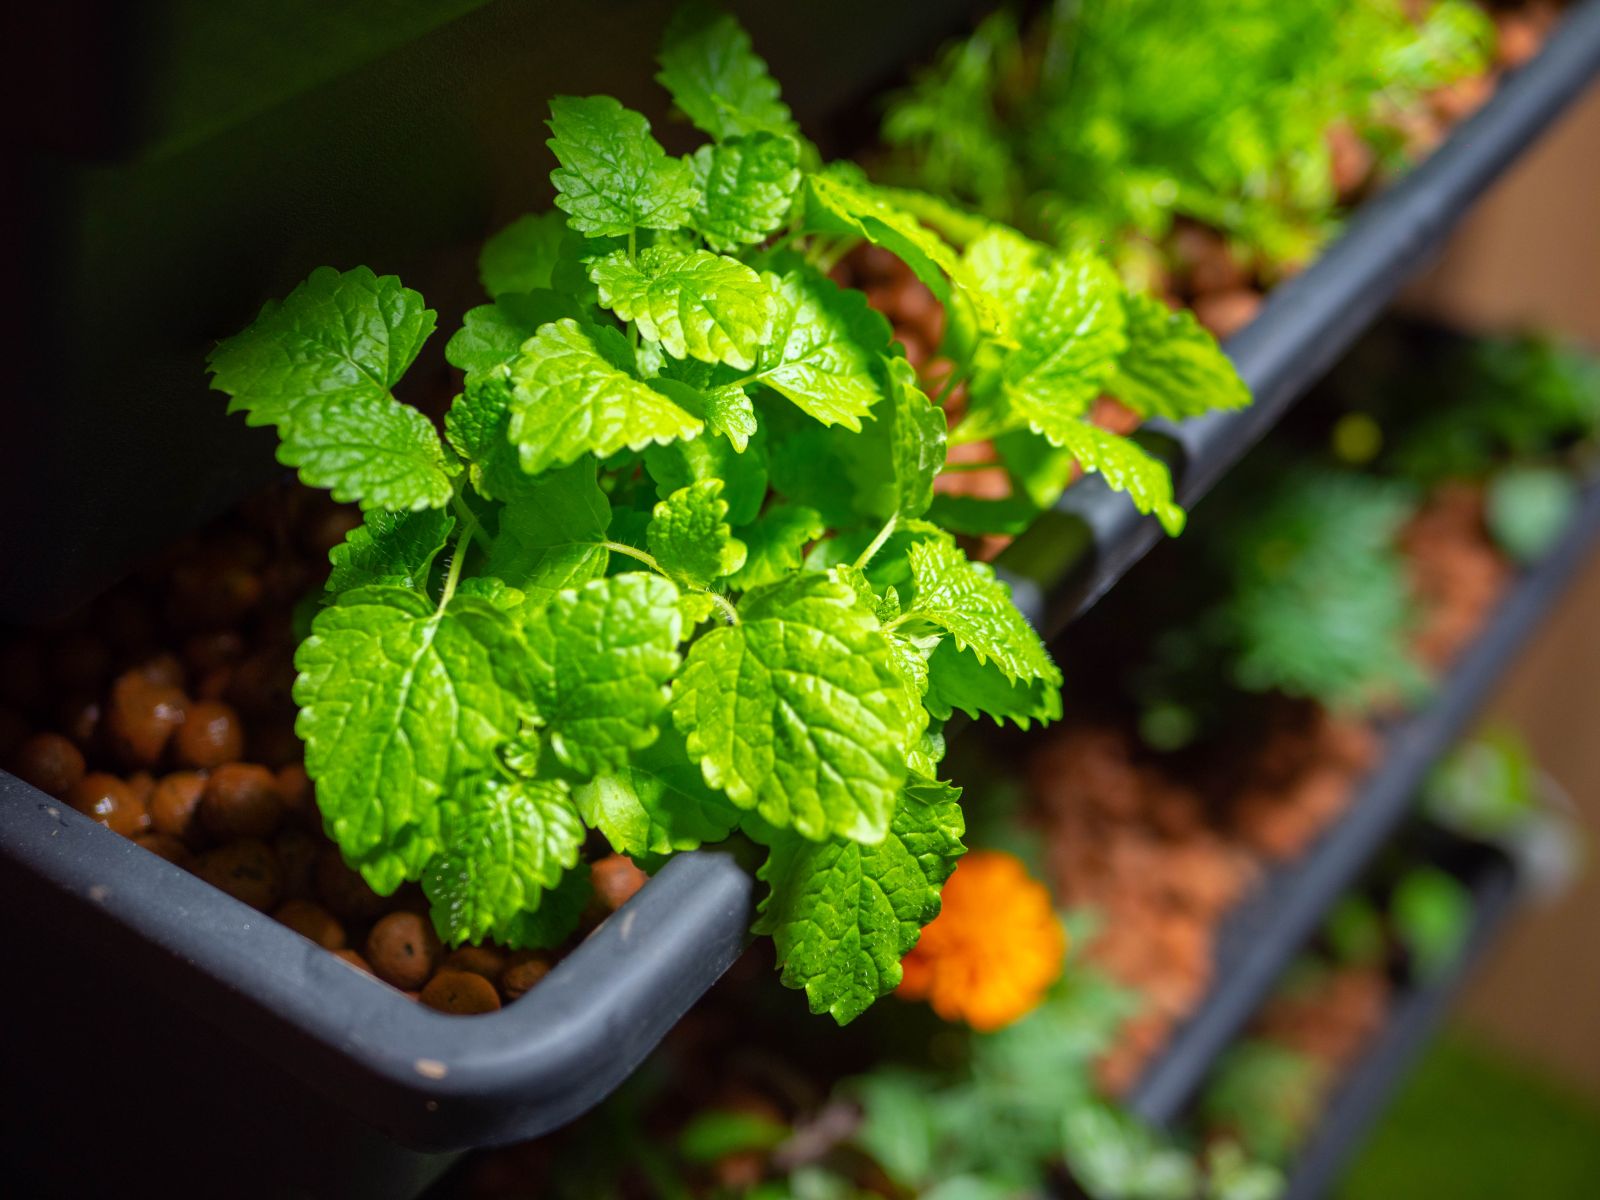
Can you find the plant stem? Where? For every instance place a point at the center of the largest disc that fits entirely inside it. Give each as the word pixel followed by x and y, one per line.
pixel 623 548
pixel 877 543
pixel 648 560
pixel 469 526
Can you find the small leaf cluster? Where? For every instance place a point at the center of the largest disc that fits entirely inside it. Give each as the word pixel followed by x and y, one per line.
pixel 1311 598
pixel 1103 122
pixel 668 574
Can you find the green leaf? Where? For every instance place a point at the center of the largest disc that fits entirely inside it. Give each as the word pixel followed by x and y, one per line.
pixel 842 915
pixel 656 803
pixel 602 656
pixel 714 76
pixel 478 425
pixel 730 413
pixel 747 186
pixel 400 702
pixel 556 918
pixel 966 600
pixel 744 476
pixel 521 256
pixel 690 537
pixel 492 334
pixel 695 303
pixel 916 429
pixel 506 844
pixel 825 347
pixel 397 549
pixel 320 367
pixel 1004 265
pixel 1126 466
pixel 1070 332
pixel 1172 367
pixel 776 544
pixel 957 680
pixel 550 534
pixel 840 200
pixel 614 177
pixel 799 711
pixel 569 398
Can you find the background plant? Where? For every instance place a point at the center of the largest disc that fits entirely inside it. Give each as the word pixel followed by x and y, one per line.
pixel 666 575
pixel 1105 119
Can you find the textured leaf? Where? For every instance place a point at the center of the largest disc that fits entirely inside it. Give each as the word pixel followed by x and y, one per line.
pixel 715 77
pixel 556 919
pixel 614 177
pixel 397 549
pixel 506 844
pixel 399 703
pixel 966 600
pixel 550 534
pixel 843 915
pixel 1004 265
pixel 747 186
pixel 320 367
pixel 825 347
pixel 840 200
pixel 491 334
pixel 1070 332
pixel 1172 367
pixel 957 680
pixel 916 431
pixel 1126 466
pixel 690 537
pixel 730 413
pixel 569 398
pixel 656 803
pixel 799 711
pixel 744 476
pixel 478 426
pixel 776 544
pixel 602 657
pixel 521 256
pixel 695 303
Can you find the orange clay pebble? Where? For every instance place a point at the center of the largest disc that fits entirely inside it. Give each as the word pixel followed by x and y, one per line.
pixel 295 788
pixel 403 950
pixel 460 992
pixel 354 959
pixel 50 762
pixel 480 960
pixel 209 736
pixel 247 870
pixel 144 786
pixel 616 879
pixel 173 803
pixel 297 852
pixel 241 800
pixel 111 802
pixel 142 718
pixel 163 670
pixel 344 891
pixel 311 920
pixel 164 845
pixel 523 970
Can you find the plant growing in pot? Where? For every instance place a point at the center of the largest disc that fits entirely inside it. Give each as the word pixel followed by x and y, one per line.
pixel 667 575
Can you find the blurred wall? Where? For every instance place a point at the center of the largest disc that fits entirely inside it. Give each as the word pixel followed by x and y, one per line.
pixel 1530 256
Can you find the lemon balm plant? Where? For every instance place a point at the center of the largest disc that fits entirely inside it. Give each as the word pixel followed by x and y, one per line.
pixel 667 574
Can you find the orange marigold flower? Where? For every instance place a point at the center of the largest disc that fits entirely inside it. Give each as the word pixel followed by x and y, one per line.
pixel 994 949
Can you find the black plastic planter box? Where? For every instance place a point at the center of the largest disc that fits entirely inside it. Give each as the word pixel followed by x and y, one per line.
pixel 1415 1012
pixel 1259 938
pixel 158 1022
